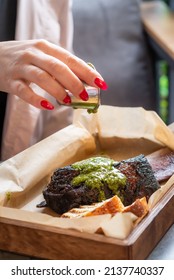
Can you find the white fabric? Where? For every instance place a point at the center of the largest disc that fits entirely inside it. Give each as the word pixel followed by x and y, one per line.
pixel 24 124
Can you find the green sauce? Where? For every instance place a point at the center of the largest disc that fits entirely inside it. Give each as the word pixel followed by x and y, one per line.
pixel 96 172
pixel 91 107
pixel 8 195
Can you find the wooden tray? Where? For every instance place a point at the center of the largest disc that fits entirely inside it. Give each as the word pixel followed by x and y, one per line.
pixel 50 242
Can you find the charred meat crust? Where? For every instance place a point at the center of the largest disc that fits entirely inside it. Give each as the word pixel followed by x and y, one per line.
pixel 61 196
pixel 140 179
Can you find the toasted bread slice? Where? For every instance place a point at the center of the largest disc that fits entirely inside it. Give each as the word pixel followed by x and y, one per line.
pixel 109 206
pixel 138 208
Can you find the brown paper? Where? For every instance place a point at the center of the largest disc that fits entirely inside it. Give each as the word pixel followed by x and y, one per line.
pixel 117 132
pixel 26 170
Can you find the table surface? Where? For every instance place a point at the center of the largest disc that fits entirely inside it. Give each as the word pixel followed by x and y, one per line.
pixel 163 251
pixel 165 248
pixel 158 21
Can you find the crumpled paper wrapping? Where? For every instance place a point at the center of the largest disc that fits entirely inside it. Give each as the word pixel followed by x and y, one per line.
pixel 117 132
pixel 24 171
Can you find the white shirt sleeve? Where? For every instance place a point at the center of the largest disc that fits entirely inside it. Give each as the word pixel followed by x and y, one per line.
pixel 41 19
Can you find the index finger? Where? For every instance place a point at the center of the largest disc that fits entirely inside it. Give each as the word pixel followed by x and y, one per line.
pixel 78 66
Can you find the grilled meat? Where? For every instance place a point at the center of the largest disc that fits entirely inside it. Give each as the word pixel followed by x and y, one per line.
pixel 61 196
pixel 97 179
pixel 140 179
pixel 162 163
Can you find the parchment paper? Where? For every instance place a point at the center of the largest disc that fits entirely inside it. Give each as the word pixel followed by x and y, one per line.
pixel 117 132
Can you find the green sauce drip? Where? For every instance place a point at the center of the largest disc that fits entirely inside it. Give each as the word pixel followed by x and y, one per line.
pixel 8 195
pixel 96 172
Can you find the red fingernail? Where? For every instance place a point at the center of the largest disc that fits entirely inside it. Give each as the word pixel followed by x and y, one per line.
pixel 84 95
pixel 47 105
pixel 67 99
pixel 100 83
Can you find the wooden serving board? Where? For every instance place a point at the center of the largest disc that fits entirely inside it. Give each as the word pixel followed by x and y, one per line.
pixel 49 242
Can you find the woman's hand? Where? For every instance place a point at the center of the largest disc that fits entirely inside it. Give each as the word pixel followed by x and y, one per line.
pixel 50 67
